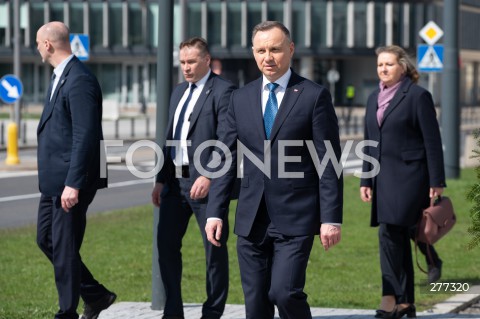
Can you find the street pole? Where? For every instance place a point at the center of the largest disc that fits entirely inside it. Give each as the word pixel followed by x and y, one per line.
pixel 16 55
pixel 164 86
pixel 450 109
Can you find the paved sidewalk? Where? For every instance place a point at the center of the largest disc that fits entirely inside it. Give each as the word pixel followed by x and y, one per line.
pixel 444 310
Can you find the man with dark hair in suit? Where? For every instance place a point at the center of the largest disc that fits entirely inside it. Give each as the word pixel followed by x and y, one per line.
pixel 281 209
pixel 197 111
pixel 69 162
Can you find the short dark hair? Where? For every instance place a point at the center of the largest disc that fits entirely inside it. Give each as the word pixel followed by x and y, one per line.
pixel 196 42
pixel 268 25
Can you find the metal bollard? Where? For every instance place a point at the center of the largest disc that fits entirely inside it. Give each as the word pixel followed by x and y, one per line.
pixel 132 127
pixel 24 132
pixel 2 134
pixel 12 146
pixel 116 129
pixel 147 120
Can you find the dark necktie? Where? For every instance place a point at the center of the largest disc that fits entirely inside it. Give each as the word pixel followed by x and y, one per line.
pixel 181 118
pixel 271 109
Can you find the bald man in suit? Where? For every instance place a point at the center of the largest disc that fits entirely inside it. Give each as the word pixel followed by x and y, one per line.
pixel 69 165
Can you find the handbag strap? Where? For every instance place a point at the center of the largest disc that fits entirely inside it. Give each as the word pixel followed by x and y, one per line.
pixel 429 254
pixel 416 255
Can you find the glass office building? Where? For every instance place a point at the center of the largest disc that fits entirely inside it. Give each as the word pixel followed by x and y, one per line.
pixel 340 35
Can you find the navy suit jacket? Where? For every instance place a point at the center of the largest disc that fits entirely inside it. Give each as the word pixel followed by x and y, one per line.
pixel 69 133
pixel 409 152
pixel 205 124
pixel 296 206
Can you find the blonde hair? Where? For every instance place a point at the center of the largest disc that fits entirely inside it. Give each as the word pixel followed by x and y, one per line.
pixel 403 60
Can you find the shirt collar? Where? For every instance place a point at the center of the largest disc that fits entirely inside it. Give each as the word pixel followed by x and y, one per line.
pixel 59 69
pixel 282 81
pixel 202 81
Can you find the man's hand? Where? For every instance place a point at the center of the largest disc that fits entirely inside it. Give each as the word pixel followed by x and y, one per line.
pixel 330 235
pixel 69 198
pixel 213 228
pixel 200 188
pixel 366 194
pixel 157 190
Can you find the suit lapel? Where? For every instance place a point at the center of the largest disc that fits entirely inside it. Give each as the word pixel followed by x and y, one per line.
pixel 207 90
pixel 371 114
pixel 173 107
pixel 397 98
pixel 49 103
pixel 255 105
pixel 292 93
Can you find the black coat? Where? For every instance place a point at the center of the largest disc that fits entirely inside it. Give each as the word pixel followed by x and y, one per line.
pixel 409 152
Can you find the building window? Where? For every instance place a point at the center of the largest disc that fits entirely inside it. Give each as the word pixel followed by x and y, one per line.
pixel 36 21
pixel 360 25
pixel 254 17
pixel 3 23
pixel 135 29
pixel 214 24
pixel 110 75
pixel 340 24
pixel 194 20
pixel 115 24
pixel 234 29
pixel 298 23
pixel 56 11
pixel 76 17
pixel 152 25
pixel 96 24
pixel 380 25
pixel 275 11
pixel 319 24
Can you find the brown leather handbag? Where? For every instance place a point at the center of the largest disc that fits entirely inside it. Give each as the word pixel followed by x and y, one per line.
pixel 437 220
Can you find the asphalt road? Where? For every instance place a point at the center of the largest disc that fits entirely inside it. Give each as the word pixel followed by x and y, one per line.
pixel 19 193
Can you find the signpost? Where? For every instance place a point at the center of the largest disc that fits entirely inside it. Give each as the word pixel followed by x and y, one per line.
pixel 430 56
pixel 80 44
pixel 332 77
pixel 11 90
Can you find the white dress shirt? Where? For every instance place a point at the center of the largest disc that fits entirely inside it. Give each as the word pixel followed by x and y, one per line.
pixel 186 122
pixel 58 73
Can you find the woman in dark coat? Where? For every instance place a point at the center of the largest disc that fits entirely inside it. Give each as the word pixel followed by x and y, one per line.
pixel 400 116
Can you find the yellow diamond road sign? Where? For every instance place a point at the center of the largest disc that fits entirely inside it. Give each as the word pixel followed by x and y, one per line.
pixel 431 33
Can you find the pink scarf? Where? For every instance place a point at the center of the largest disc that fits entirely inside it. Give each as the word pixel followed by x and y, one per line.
pixel 385 95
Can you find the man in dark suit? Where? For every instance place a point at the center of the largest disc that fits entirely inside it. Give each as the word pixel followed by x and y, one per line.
pixel 197 109
pixel 282 208
pixel 69 162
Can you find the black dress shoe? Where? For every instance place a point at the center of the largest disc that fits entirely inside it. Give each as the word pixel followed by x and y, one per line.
pixel 434 272
pixel 410 311
pixel 92 310
pixel 387 314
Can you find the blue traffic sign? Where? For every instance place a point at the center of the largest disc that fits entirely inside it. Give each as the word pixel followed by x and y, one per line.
pixel 11 88
pixel 430 58
pixel 80 44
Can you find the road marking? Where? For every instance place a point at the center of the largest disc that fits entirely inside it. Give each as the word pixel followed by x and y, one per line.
pixel 18 174
pixel 112 185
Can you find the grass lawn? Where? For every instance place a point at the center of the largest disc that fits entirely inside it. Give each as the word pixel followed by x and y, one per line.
pixel 118 247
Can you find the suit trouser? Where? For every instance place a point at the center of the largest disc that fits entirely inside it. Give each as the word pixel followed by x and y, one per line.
pixel 175 211
pixel 396 263
pixel 59 236
pixel 272 270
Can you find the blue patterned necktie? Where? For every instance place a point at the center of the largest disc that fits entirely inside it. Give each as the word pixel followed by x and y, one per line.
pixel 271 109
pixel 181 118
